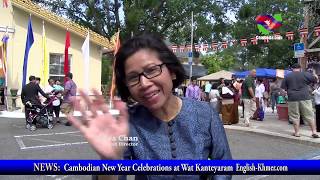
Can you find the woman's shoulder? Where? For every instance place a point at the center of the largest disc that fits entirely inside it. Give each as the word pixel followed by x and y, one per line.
pixel 137 109
pixel 195 105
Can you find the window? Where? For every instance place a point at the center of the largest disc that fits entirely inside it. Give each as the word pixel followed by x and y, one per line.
pixel 56 65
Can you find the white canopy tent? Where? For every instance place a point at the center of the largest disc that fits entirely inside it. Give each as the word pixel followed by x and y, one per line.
pixel 217 75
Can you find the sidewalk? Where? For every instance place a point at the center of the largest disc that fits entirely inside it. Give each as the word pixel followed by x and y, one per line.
pixel 269 126
pixel 19 114
pixel 273 127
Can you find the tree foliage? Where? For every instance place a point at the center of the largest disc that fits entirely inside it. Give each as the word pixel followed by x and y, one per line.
pixel 101 16
pixel 277 53
pixel 172 20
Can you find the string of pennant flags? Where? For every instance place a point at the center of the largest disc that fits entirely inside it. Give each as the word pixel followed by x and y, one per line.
pixel 243 42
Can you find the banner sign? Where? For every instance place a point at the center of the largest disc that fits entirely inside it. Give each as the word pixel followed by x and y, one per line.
pixel 164 167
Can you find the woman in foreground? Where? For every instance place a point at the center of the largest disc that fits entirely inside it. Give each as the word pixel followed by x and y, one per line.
pixel 161 126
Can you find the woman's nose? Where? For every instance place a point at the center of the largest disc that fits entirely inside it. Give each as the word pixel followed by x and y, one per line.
pixel 144 82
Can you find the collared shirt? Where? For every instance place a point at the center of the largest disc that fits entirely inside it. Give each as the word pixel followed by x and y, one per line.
pixel 260 89
pixel 196 133
pixel 193 92
pixel 207 88
pixel 72 87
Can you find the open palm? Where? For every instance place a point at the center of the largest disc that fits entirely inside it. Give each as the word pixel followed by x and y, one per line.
pixel 102 129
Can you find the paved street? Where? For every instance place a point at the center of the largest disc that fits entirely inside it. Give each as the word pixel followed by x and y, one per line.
pixel 62 142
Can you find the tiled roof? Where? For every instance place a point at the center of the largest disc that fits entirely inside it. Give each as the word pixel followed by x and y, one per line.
pixel 34 9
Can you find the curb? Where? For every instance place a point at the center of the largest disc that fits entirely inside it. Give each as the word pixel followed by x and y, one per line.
pixel 307 140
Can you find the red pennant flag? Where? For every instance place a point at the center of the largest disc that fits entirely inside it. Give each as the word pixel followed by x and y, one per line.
pixel 243 42
pixel 196 46
pixel 189 47
pixel 205 47
pixel 5 3
pixel 317 31
pixel 214 45
pixel 277 34
pixel 224 44
pixel 289 35
pixel 174 48
pixel 254 41
pixel 303 32
pixel 66 55
pixel 181 48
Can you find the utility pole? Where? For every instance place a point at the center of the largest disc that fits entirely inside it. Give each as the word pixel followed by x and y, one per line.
pixel 303 60
pixel 191 58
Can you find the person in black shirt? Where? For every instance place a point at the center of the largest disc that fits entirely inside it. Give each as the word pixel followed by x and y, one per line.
pixel 30 93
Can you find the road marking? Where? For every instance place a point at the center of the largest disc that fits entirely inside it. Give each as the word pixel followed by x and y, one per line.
pixel 78 135
pixel 316 157
pixel 46 140
pixel 49 134
pixel 257 177
pixel 20 142
pixel 61 178
pixel 54 145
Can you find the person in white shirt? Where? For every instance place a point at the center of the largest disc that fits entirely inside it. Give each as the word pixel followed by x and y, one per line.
pixel 316 94
pixel 229 109
pixel 214 97
pixel 49 91
pixel 260 89
pixel 207 90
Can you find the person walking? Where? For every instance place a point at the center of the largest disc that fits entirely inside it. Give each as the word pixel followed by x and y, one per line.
pixel 207 90
pixel 274 93
pixel 70 91
pixel 299 99
pixel 260 106
pixel 248 97
pixel 214 97
pixel 29 97
pixel 229 110
pixel 2 90
pixel 193 91
pixel 316 94
pixel 58 90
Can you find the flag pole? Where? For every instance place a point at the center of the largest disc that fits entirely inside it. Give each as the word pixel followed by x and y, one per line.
pixel 113 79
pixel 43 56
pixel 190 75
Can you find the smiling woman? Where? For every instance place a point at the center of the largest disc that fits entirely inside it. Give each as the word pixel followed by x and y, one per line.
pixel 166 126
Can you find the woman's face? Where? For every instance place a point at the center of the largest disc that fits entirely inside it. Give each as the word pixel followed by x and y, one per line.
pixel 152 93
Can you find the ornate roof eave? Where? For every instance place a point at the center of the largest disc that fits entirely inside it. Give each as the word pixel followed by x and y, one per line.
pixel 29 6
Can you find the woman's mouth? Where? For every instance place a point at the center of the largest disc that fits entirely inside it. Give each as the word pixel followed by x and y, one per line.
pixel 151 96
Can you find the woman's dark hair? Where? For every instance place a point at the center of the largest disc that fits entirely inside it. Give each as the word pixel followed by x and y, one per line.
pixel 150 42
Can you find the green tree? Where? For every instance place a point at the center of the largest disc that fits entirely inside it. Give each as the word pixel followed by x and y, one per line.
pixel 171 19
pixel 101 16
pixel 106 71
pixel 224 60
pixel 275 54
pixel 211 62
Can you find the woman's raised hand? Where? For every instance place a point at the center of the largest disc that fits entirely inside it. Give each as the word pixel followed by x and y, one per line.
pixel 99 127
